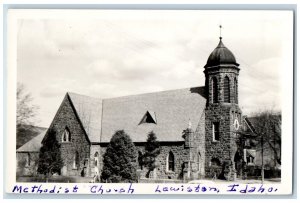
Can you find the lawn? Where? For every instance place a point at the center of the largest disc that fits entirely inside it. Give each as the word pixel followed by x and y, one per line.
pixel 54 179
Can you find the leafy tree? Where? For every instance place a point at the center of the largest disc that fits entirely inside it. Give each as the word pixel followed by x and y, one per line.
pixel 152 150
pixel 50 160
pixel 120 160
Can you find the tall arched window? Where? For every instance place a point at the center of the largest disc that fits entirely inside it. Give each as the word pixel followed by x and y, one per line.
pixel 66 137
pixel 76 160
pixel 226 89
pixel 171 162
pixel 96 159
pixel 199 161
pixel 28 160
pixel 235 91
pixel 215 90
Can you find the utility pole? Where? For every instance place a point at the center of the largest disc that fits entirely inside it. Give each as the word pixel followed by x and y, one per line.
pixel 262 160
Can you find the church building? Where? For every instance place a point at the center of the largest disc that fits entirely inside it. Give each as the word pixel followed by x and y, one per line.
pixel 196 126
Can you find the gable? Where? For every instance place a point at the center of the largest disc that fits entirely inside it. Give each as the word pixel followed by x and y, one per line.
pixel 89 111
pixel 67 116
pixel 149 117
pixel 166 113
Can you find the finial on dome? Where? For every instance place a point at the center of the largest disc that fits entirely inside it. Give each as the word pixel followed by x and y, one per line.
pixel 220 32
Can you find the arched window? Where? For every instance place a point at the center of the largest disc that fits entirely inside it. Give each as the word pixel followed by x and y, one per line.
pixel 171 162
pixel 96 159
pixel 215 90
pixel 199 161
pixel 235 91
pixel 28 159
pixel 226 89
pixel 215 163
pixel 66 137
pixel 76 160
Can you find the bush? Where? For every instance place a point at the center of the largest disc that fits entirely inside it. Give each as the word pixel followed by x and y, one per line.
pixel 50 160
pixel 120 160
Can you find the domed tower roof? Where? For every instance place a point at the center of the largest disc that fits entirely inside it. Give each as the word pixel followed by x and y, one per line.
pixel 221 56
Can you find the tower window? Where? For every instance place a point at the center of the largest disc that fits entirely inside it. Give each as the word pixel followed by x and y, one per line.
pixel 226 90
pixel 215 90
pixel 235 91
pixel 215 131
pixel 171 162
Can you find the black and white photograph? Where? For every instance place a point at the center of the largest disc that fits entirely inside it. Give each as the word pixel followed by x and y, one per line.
pixel 151 96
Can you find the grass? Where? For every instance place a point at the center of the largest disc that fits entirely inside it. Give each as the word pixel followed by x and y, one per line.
pixel 54 179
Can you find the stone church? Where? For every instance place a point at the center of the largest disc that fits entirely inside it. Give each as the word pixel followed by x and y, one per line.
pixel 196 126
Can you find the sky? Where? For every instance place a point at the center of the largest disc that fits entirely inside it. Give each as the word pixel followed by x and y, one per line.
pixel 112 53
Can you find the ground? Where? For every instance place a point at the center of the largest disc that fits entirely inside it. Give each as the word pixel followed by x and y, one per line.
pixel 75 179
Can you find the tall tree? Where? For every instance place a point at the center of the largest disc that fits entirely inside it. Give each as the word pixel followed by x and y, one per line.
pixel 26 111
pixel 120 160
pixel 152 150
pixel 267 126
pixel 50 160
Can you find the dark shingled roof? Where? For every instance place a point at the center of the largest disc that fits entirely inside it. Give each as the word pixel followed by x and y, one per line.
pixel 221 56
pixel 172 111
pixel 34 144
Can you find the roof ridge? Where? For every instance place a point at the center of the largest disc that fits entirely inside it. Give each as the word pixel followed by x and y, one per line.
pixel 148 93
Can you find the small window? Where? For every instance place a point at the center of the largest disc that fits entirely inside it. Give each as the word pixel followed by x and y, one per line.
pixel 215 131
pixel 96 159
pixel 149 117
pixel 171 162
pixel 28 160
pixel 250 156
pixel 66 137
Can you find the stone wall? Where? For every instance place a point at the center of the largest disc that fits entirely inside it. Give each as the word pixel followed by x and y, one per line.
pixel 225 148
pixel 198 150
pixel 66 117
pixel 95 161
pixel 181 155
pixel 27 163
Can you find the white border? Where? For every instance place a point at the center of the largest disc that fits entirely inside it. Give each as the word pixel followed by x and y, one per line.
pixel 287 111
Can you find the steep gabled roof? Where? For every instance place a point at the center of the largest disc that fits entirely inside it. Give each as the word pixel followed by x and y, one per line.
pixel 34 144
pixel 170 110
pixel 173 110
pixel 89 111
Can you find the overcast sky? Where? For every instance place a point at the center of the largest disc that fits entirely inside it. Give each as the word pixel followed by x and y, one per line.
pixel 108 54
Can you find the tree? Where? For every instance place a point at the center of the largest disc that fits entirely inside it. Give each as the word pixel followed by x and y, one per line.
pixel 152 150
pixel 120 160
pixel 267 126
pixel 50 160
pixel 26 111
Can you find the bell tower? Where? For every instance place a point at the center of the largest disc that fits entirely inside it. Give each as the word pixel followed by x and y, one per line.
pixel 222 112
